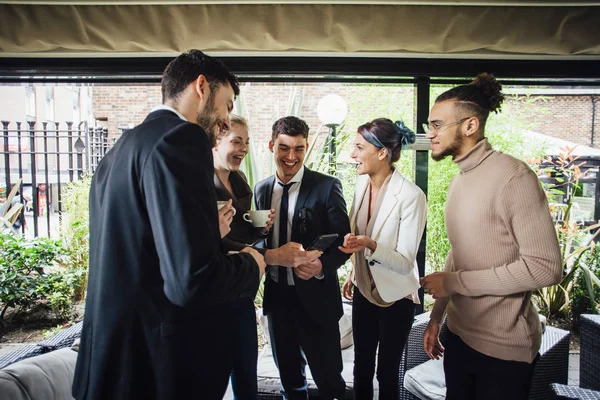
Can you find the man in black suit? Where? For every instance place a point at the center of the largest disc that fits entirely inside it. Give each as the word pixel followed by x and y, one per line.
pixel 158 282
pixel 303 304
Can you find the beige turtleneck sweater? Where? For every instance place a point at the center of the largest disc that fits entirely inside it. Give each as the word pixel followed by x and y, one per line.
pixel 503 246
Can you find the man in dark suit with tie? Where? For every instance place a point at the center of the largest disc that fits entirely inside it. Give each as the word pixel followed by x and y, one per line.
pixel 303 304
pixel 154 326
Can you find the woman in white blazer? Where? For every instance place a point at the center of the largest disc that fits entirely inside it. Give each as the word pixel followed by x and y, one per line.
pixel 387 220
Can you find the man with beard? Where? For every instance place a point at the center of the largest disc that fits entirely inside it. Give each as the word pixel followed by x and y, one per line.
pixel 503 247
pixel 155 324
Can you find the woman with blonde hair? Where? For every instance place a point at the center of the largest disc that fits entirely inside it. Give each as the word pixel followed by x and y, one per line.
pixel 231 184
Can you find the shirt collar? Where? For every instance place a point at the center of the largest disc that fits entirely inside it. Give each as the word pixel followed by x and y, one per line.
pixel 475 156
pixel 296 178
pixel 168 108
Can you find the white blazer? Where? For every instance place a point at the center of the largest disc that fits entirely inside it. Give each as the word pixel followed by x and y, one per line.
pixel 398 230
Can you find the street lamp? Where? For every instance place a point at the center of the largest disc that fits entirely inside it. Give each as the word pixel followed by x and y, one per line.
pixel 332 111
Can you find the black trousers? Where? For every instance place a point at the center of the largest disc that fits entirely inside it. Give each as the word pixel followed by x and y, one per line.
pixel 471 375
pixel 245 350
pixel 296 339
pixel 388 328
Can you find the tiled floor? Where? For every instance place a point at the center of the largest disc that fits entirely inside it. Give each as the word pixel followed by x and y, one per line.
pixel 574 368
pixel 6 347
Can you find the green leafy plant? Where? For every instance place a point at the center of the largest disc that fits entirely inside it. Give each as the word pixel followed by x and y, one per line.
pixel 48 333
pixel 74 229
pixel 31 273
pixel 576 242
pixel 581 301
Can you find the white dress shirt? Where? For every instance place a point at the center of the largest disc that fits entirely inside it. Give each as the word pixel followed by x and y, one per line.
pixel 293 192
pixel 164 107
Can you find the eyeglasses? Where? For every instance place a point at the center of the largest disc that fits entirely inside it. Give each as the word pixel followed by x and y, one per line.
pixel 438 127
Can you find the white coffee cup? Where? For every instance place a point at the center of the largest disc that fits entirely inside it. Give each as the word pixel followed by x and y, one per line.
pixel 258 218
pixel 221 203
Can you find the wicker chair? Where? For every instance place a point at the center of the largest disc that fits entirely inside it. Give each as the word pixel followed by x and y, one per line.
pixel 589 357
pixel 414 353
pixel 553 365
pixel 20 353
pixel 589 364
pixel 564 392
pixel 64 338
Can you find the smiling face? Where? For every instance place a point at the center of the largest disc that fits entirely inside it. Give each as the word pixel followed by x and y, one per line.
pixel 232 148
pixel 213 111
pixel 369 158
pixel 289 152
pixel 448 140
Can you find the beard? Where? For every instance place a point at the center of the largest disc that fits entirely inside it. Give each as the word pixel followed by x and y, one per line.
pixel 452 149
pixel 209 121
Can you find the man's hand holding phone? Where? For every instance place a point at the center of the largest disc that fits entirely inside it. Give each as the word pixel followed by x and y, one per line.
pixel 291 254
pixel 309 270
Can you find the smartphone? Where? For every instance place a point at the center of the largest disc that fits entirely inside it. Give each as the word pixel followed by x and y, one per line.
pixel 323 242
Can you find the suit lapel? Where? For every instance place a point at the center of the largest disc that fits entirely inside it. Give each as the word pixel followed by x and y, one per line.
pixel 305 189
pixel 389 202
pixel 265 204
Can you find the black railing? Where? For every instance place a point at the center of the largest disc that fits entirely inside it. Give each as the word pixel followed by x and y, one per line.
pixel 45 160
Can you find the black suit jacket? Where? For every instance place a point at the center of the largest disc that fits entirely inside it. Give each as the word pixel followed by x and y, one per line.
pixel 158 282
pixel 320 209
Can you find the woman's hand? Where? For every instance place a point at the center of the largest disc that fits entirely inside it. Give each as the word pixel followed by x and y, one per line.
pixel 270 222
pixel 354 244
pixel 348 288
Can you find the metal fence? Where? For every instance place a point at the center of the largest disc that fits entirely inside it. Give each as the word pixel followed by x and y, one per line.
pixel 45 160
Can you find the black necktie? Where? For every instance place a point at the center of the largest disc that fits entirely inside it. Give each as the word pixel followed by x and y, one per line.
pixel 283 225
pixel 283 214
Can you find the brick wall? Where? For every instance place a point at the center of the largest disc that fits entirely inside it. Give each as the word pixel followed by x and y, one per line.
pixel 566 117
pixel 124 106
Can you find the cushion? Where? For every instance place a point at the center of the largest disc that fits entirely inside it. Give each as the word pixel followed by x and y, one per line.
pixel 346 339
pixel 427 380
pixel 48 376
pixel 345 323
pixel 543 322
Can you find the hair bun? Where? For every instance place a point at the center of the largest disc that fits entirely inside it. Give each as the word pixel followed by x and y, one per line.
pixel 491 89
pixel 406 135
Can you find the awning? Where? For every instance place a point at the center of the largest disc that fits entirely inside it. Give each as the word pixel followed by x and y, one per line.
pixel 392 28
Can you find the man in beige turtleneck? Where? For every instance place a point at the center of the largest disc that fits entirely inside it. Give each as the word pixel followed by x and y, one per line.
pixel 504 246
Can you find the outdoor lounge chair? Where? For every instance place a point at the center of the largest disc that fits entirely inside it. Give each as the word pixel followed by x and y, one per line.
pixel 551 367
pixel 589 364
